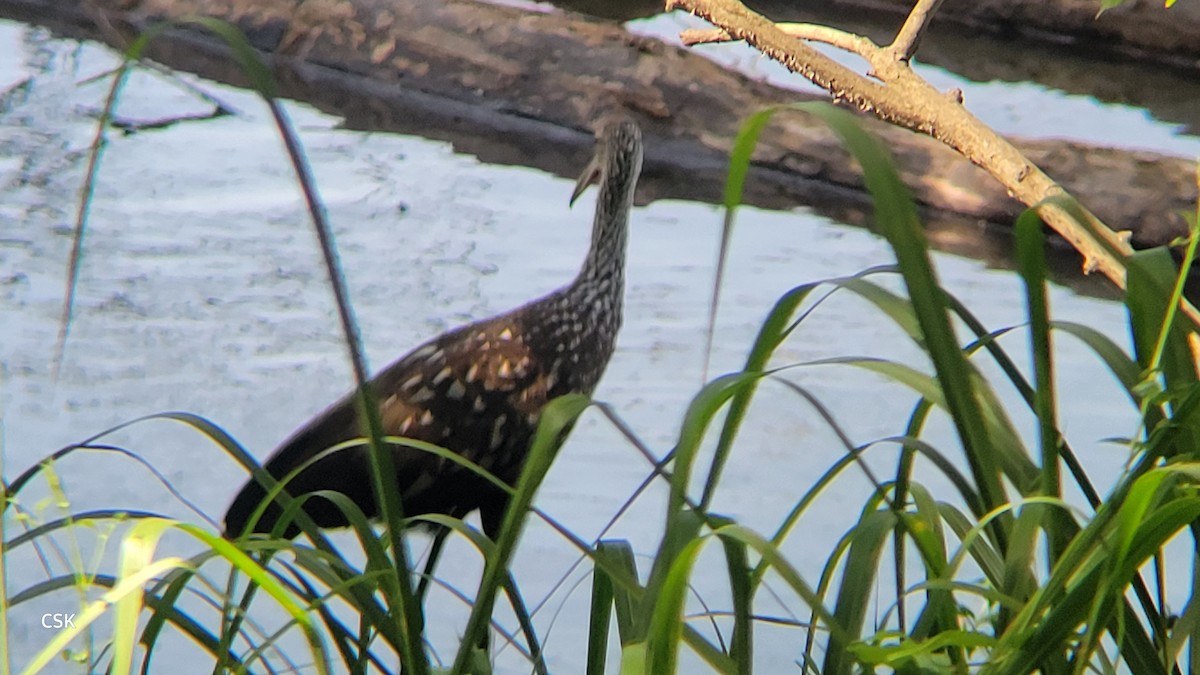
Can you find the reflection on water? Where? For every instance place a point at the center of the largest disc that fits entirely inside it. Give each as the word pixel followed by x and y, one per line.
pixel 201 290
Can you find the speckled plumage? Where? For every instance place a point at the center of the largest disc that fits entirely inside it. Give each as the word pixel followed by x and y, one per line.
pixel 476 390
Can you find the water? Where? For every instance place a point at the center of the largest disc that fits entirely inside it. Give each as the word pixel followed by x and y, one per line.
pixel 201 289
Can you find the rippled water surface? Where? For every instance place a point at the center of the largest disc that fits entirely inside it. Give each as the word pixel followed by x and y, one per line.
pixel 201 290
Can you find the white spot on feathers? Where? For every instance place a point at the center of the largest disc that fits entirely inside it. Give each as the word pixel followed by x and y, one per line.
pixel 498 431
pixel 424 351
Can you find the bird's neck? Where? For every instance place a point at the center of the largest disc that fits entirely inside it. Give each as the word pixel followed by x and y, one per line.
pixel 603 270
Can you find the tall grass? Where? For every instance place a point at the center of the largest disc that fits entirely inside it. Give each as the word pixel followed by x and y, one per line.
pixel 1012 578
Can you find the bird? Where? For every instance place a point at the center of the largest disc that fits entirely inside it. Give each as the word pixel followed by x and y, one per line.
pixel 477 390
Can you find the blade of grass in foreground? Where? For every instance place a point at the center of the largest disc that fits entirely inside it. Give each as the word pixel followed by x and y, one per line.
pixel 741 587
pixel 735 180
pixel 778 325
pixel 137 553
pixel 556 417
pixel 600 610
pixel 896 216
pixel 857 586
pixel 664 630
pixel 1031 254
pixel 93 610
pixel 399 592
pixel 398 587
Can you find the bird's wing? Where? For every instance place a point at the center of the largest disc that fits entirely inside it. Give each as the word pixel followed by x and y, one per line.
pixel 475 391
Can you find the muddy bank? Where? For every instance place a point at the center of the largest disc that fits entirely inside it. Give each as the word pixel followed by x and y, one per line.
pixel 519 87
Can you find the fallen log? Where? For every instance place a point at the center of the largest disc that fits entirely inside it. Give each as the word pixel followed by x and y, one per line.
pixel 1141 30
pixel 520 87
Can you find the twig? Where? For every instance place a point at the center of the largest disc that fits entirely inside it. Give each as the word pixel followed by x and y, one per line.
pixel 221 108
pixel 905 44
pixel 742 24
pixel 801 31
pixel 130 125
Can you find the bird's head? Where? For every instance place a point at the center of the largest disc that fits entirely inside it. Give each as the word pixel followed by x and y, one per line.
pixel 618 152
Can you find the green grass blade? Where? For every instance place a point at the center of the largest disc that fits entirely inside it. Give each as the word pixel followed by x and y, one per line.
pixel 774 330
pixel 770 335
pixel 93 610
pixel 617 555
pixel 1125 369
pixel 700 413
pixel 896 217
pixel 99 142
pixel 858 586
pixel 398 590
pixel 1019 581
pixel 1031 256
pixel 161 606
pixel 556 417
pixel 268 583
pixel 682 529
pixel 978 548
pixel 1187 626
pixel 741 648
pixel 664 628
pixel 137 553
pixel 801 507
pixel 735 180
pixel 600 609
pixel 897 308
pixel 790 576
pixel 1159 346
pixel 1189 256
pixel 927 533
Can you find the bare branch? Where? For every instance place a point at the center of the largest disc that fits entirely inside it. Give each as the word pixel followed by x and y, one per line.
pixel 742 24
pixel 903 98
pixel 703 36
pixel 905 44
pixel 804 31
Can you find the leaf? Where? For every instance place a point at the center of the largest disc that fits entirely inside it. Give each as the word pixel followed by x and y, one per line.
pixel 557 416
pixel 858 585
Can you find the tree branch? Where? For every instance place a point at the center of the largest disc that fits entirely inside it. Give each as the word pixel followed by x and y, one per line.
pixel 903 98
pixel 905 44
pixel 855 44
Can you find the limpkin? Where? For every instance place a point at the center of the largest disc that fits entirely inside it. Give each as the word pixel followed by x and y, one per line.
pixel 476 390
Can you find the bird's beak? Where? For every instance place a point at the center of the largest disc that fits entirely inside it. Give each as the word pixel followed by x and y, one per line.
pixel 591 174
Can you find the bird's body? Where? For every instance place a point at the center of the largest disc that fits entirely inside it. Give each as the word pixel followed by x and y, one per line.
pixel 477 390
